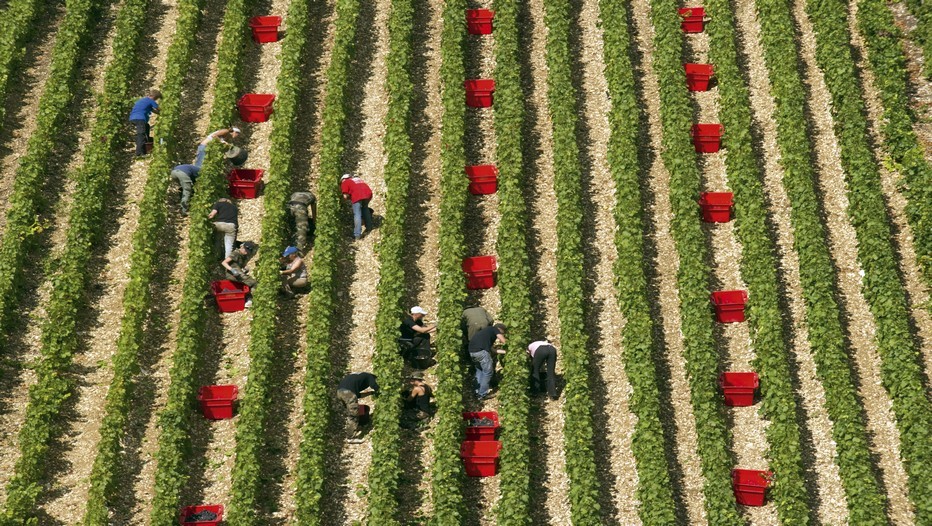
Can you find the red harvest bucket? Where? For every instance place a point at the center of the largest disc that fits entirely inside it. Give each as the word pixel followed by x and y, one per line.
pixel 230 295
pixel 750 486
pixel 476 429
pixel 698 76
pixel 729 305
pixel 480 272
pixel 479 21
pixel 188 513
pixel 480 458
pixel 479 92
pixel 217 401
pixel 245 184
pixel 255 107
pixel 738 388
pixel 693 19
pixel 483 179
pixel 707 138
pixel 265 28
pixel 716 206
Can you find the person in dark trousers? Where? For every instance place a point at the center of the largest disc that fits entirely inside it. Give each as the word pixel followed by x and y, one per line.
pixel 359 194
pixel 481 352
pixel 416 395
pixel 139 116
pixel 543 355
pixel 415 337
pixel 235 265
pixel 474 320
pixel 348 391
pixel 225 217
pixel 303 209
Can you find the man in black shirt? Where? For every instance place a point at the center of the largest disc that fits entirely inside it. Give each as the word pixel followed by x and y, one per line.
pixel 481 353
pixel 225 216
pixel 348 391
pixel 415 337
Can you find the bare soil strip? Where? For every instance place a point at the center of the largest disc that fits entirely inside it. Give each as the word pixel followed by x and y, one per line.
pixel 921 96
pixel 681 423
pixel 615 419
pixel 860 324
pixel 71 488
pixel 821 450
pixel 916 290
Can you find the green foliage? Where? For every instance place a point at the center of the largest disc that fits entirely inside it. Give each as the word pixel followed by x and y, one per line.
pixel 18 24
pixel 172 470
pixel 923 31
pixel 891 78
pixel 257 396
pixel 59 339
pixel 577 431
pixel 447 469
pixel 514 280
pixel 883 290
pixel 320 326
pixel 385 469
pixel 702 361
pixel 655 491
pixel 137 296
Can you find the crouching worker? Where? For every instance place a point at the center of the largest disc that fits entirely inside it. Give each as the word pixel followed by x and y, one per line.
pixel 235 265
pixel 293 272
pixel 348 392
pixel 303 209
pixel 186 175
pixel 416 395
pixel 415 338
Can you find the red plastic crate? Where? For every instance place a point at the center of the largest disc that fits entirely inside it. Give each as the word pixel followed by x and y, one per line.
pixel 716 206
pixel 481 433
pixel 217 401
pixel 738 388
pixel 750 486
pixel 693 19
pixel 729 305
pixel 230 295
pixel 707 138
pixel 480 457
pixel 265 28
pixel 479 92
pixel 479 21
pixel 480 272
pixel 193 510
pixel 698 76
pixel 483 179
pixel 255 107
pixel 245 184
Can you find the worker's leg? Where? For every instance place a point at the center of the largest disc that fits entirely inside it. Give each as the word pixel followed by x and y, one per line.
pixel 299 212
pixel 485 368
pixel 366 214
pixel 142 135
pixel 551 357
pixel 351 409
pixel 201 153
pixel 229 235
pixel 186 186
pixel 357 219
pixel 536 362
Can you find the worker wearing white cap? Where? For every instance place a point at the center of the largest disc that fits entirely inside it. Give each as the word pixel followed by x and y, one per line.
pixel 359 194
pixel 236 155
pixel 415 338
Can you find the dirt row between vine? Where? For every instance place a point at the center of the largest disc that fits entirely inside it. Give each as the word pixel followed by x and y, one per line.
pixel 821 447
pixel 860 323
pixel 680 422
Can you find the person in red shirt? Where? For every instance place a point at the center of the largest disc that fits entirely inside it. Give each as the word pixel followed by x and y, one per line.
pixel 359 194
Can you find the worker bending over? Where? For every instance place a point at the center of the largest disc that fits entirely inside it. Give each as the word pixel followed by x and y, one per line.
pixel 543 355
pixel 482 353
pixel 348 392
pixel 139 116
pixel 359 194
pixel 225 217
pixel 303 209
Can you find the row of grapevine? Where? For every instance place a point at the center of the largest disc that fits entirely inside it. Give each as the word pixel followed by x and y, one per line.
pixel 174 421
pixel 251 434
pixel 514 278
pixel 19 22
pixel 385 469
pixel 817 274
pixel 320 322
pixel 137 296
pixel 655 491
pixel 59 338
pixel 759 269
pixel 580 456
pixel 21 231
pixel 883 290
pixel 447 471
pixel 923 32
pixel 886 58
pixel 702 357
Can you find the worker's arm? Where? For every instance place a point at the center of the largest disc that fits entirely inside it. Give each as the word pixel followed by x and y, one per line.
pixel 293 267
pixel 212 214
pixel 226 264
pixel 423 330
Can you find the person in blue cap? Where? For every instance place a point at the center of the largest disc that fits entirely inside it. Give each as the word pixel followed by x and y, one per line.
pixel 139 116
pixel 293 271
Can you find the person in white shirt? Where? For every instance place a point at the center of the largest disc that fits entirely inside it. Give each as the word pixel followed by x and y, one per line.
pixel 543 354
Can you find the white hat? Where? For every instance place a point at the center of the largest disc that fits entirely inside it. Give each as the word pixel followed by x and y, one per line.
pixel 346 176
pixel 235 130
pixel 418 310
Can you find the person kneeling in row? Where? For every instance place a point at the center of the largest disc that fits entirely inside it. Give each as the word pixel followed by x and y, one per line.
pixel 416 395
pixel 293 271
pixel 415 338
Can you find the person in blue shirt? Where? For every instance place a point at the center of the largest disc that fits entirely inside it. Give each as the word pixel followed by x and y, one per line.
pixel 139 116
